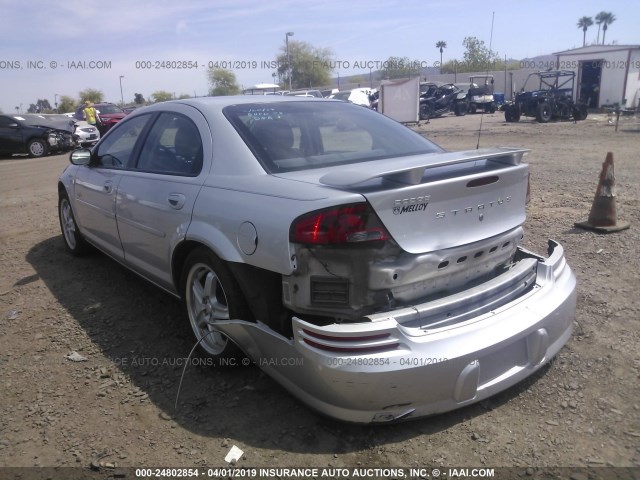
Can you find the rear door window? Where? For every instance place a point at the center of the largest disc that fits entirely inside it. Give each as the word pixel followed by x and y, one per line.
pixel 173 147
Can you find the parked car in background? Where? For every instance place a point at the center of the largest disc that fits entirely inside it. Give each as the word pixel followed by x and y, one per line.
pixel 86 133
pixel 327 93
pixel 546 96
pixel 388 272
pixel 465 86
pixel 427 89
pixel 354 96
pixel 50 120
pixel 305 93
pixel 438 100
pixel 109 113
pixel 133 108
pixel 264 89
pixel 480 94
pixel 34 135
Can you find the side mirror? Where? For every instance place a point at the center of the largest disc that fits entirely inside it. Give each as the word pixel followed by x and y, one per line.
pixel 81 156
pixel 14 125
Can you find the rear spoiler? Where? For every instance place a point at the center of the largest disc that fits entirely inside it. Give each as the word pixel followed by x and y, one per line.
pixel 410 170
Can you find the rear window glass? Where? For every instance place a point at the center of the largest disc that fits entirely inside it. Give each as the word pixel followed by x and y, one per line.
pixel 108 109
pixel 292 136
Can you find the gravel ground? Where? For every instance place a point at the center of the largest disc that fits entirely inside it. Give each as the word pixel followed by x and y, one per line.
pixel 116 408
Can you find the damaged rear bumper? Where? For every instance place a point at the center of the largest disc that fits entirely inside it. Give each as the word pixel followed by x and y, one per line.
pixel 429 358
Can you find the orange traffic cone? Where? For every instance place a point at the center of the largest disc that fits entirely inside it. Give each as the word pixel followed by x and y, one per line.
pixel 603 216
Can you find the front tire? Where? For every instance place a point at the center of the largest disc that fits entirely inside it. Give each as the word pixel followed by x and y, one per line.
pixel 73 239
pixel 37 148
pixel 580 112
pixel 210 293
pixel 511 113
pixel 460 109
pixel 543 112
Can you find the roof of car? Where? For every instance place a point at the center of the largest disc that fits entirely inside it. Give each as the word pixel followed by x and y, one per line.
pixel 223 101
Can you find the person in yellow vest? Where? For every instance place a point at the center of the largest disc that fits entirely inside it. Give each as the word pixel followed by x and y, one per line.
pixel 91 115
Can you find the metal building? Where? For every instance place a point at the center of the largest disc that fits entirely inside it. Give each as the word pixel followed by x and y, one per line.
pixel 606 75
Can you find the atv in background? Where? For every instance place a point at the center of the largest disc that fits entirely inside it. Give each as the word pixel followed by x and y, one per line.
pixel 436 100
pixel 553 100
pixel 480 94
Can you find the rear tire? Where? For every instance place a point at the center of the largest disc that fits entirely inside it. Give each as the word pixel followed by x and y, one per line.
pixel 516 113
pixel 425 111
pixel 543 112
pixel 210 293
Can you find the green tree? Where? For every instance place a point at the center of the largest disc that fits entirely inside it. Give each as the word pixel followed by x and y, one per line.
pixel 477 56
pixel 91 95
pixel 400 67
pixel 67 104
pixel 222 82
pixel 138 99
pixel 161 96
pixel 607 18
pixel 41 106
pixel 441 45
pixel 310 66
pixel 184 95
pixel 584 23
pixel 452 66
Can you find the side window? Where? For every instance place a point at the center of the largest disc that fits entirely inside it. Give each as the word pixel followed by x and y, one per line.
pixel 115 151
pixel 173 147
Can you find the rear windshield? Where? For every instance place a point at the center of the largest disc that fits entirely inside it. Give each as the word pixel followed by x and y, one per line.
pixel 342 96
pixel 291 136
pixel 108 109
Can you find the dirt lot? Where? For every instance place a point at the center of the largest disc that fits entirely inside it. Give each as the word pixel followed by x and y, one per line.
pixel 118 406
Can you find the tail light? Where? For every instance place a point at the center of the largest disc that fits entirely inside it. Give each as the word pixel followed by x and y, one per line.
pixel 348 224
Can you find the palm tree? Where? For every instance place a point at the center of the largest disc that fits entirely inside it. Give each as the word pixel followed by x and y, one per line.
pixel 607 19
pixel 584 23
pixel 599 20
pixel 441 45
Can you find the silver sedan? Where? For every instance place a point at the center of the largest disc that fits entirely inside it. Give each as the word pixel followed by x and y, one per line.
pixel 373 274
pixel 87 133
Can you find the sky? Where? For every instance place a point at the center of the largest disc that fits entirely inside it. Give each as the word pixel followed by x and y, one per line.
pixel 50 48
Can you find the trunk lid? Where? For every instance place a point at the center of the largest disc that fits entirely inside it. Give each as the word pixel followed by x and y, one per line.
pixel 441 200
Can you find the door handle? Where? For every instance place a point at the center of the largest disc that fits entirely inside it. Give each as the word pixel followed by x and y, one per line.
pixel 176 200
pixel 108 186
